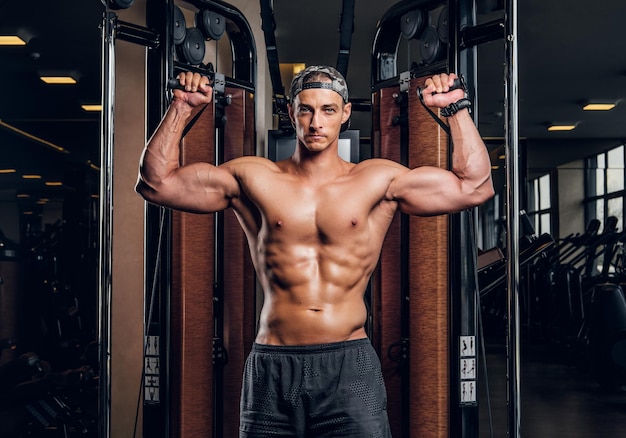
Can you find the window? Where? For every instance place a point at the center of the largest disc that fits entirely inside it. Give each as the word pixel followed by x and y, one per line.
pixel 540 204
pixel 604 186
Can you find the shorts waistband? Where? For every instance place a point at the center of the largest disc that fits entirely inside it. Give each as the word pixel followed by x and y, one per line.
pixel 309 349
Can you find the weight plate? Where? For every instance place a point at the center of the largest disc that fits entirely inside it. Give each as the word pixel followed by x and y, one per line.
pixel 431 46
pixel 411 23
pixel 442 25
pixel 211 24
pixel 192 49
pixel 179 26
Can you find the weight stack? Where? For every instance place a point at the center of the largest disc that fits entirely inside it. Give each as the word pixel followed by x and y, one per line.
pixel 387 285
pixel 429 286
pixel 239 277
pixel 193 277
pixel 196 399
pixel 424 411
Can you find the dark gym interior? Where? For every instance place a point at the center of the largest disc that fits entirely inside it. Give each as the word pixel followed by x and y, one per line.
pixel 571 188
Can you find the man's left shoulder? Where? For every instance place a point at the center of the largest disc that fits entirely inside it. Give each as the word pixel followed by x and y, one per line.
pixel 379 165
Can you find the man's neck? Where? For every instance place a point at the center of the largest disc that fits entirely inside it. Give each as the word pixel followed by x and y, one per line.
pixel 317 164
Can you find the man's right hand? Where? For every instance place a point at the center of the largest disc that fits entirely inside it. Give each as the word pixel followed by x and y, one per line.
pixel 197 90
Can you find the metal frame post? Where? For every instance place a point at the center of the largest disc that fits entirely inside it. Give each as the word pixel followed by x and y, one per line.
pixel 511 102
pixel 106 221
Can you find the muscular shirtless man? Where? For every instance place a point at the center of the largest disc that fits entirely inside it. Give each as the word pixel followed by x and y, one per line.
pixel 315 226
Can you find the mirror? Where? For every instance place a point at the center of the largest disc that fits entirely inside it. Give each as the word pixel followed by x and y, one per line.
pixel 49 185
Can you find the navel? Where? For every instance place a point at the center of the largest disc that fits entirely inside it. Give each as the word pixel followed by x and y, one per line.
pixel 354 222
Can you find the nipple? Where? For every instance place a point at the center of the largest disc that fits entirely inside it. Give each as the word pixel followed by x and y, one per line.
pixel 278 223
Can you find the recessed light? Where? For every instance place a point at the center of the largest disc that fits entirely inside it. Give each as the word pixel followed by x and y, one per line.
pixel 561 127
pixel 8 170
pixel 54 183
pixel 599 106
pixel 27 176
pixel 58 79
pixel 91 107
pixel 11 40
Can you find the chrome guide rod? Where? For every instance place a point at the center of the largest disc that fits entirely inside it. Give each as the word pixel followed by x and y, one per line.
pixel 106 222
pixel 511 102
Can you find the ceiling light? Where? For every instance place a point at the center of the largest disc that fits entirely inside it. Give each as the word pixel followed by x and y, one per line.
pixel 58 79
pixel 569 127
pixel 599 106
pixel 8 170
pixel 23 195
pixel 11 40
pixel 54 183
pixel 34 138
pixel 31 176
pixel 92 107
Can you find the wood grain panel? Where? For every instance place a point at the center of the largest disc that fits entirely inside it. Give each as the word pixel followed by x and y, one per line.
pixel 192 300
pixel 239 285
pixel 386 296
pixel 428 277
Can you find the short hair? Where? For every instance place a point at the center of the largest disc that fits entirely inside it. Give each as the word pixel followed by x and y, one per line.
pixel 310 78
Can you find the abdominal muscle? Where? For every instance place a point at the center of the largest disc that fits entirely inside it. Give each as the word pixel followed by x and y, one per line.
pixel 313 295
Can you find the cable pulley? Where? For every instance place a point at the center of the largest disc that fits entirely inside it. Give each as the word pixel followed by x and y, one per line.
pixel 193 47
pixel 431 47
pixel 412 23
pixel 211 24
pixel 179 26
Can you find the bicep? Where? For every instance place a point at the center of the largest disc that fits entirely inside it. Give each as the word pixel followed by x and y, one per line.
pixel 197 187
pixel 427 191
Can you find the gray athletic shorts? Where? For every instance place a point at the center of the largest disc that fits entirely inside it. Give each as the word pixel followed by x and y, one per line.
pixel 314 391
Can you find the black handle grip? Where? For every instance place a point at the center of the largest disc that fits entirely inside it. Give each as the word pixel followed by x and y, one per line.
pixel 174 84
pixel 459 83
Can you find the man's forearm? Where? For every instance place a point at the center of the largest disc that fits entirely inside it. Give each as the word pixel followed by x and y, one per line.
pixel 470 158
pixel 161 155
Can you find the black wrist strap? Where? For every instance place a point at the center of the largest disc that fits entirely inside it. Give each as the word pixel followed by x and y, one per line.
pixel 457 106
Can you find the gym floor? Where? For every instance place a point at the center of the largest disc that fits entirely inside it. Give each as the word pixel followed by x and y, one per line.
pixel 558 399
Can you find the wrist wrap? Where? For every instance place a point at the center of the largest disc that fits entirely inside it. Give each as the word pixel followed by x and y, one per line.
pixel 455 107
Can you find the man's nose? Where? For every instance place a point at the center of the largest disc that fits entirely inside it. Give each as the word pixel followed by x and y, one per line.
pixel 315 120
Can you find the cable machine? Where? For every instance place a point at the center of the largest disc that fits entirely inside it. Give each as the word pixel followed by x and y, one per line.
pixel 200 284
pixel 208 305
pixel 430 354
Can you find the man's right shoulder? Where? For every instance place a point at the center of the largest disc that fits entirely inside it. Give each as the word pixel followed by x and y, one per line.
pixel 250 161
pixel 250 165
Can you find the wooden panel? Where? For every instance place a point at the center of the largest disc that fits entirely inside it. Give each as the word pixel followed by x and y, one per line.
pixel 428 277
pixel 386 296
pixel 192 301
pixel 239 283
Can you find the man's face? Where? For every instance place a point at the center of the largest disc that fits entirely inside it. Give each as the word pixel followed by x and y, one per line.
pixel 317 114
